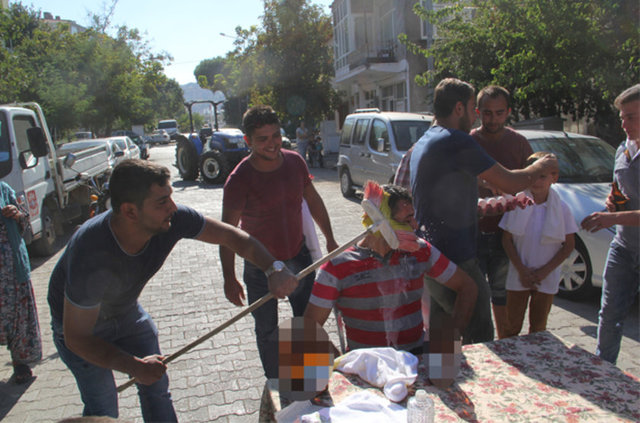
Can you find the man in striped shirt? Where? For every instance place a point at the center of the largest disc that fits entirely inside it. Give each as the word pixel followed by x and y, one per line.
pixel 378 290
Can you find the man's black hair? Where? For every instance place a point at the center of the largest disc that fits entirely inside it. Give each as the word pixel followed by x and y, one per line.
pixel 396 194
pixel 448 93
pixel 493 91
pixel 131 181
pixel 258 116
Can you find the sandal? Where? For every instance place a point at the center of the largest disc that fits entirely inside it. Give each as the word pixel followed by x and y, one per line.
pixel 21 374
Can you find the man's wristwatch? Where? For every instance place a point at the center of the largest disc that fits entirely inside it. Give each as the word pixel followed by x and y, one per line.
pixel 276 266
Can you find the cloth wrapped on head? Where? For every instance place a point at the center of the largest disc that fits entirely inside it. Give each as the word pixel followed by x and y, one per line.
pixel 380 198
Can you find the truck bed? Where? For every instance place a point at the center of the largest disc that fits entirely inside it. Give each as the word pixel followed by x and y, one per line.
pixel 93 161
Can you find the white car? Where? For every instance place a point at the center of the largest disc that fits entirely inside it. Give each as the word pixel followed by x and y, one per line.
pixel 586 173
pixel 160 136
pixel 124 143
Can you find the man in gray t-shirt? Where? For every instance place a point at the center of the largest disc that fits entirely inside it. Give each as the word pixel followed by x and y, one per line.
pixel 98 324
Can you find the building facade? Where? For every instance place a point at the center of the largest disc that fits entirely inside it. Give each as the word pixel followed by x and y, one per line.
pixel 372 68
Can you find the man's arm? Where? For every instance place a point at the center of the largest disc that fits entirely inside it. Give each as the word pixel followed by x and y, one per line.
pixel 234 240
pixel 466 295
pixel 318 314
pixel 232 288
pixel 599 220
pixel 78 326
pixel 320 215
pixel 512 181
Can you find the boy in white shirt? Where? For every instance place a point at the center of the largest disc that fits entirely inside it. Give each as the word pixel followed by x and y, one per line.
pixel 537 240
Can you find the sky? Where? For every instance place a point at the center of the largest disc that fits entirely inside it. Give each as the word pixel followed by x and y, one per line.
pixel 188 30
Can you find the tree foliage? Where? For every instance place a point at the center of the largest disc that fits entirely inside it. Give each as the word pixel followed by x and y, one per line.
pixel 568 57
pixel 88 79
pixel 286 63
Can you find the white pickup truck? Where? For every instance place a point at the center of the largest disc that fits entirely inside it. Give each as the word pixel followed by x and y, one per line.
pixel 54 193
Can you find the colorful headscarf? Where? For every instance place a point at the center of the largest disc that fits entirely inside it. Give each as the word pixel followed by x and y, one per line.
pixel 374 193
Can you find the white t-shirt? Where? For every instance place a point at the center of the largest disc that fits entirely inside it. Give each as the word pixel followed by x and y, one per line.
pixel 534 254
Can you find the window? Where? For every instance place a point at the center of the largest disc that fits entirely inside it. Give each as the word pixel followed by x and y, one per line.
pixel 371 99
pixel 386 31
pixel 394 97
pixel 20 125
pixel 5 147
pixel 121 143
pixel 360 131
pixel 346 132
pixel 408 132
pixel 468 13
pixel 379 130
pixel 341 33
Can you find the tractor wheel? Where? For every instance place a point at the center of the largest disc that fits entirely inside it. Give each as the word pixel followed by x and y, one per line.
pixel 187 160
pixel 214 167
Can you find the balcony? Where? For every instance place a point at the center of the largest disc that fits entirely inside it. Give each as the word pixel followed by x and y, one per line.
pixel 372 54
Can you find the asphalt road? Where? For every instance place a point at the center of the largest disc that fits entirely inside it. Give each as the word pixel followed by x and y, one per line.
pixel 222 379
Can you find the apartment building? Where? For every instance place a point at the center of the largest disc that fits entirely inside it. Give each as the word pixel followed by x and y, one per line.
pixel 372 68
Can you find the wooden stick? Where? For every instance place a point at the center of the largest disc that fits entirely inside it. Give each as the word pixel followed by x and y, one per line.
pixel 261 301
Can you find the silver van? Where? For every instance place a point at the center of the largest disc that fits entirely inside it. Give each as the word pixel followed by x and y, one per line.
pixel 373 143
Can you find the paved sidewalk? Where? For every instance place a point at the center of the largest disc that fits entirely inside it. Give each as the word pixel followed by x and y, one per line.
pixel 222 379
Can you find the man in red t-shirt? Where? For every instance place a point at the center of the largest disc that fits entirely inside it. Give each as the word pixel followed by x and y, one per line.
pixel 511 150
pixel 264 196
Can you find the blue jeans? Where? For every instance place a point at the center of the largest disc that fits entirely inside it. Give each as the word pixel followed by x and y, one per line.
pixel 619 290
pixel 480 328
pixel 494 263
pixel 302 148
pixel 266 316
pixel 136 334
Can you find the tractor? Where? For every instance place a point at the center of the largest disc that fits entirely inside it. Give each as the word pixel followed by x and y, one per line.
pixel 212 153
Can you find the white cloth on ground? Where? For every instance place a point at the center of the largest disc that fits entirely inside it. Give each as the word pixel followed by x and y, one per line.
pixel 384 367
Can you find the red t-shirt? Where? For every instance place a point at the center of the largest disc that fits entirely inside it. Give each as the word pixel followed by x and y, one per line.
pixel 511 151
pixel 270 203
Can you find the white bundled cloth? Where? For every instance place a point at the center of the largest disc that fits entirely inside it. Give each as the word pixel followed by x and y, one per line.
pixel 362 406
pixel 384 367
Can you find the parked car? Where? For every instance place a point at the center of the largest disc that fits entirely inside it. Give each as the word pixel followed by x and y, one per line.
pixel 586 173
pixel 83 135
pixel 132 151
pixel 372 144
pixel 286 141
pixel 160 136
pixel 170 126
pixel 137 139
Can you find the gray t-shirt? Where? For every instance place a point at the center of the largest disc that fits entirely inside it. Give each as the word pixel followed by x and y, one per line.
pixel 95 271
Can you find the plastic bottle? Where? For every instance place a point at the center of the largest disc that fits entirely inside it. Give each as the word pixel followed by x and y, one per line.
pixel 420 408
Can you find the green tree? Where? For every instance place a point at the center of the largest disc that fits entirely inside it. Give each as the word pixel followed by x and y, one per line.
pixel 89 79
pixel 287 63
pixel 557 57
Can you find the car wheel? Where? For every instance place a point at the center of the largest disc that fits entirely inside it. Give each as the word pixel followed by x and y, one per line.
pixel 346 185
pixel 187 160
pixel 214 167
pixel 44 246
pixel 576 271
